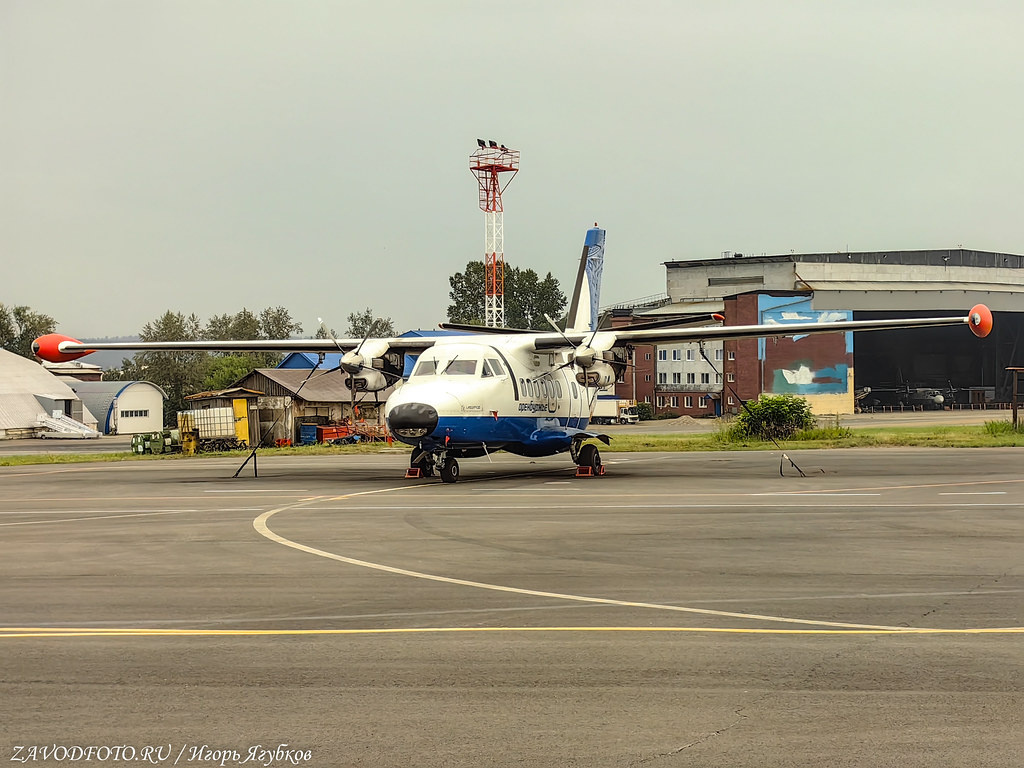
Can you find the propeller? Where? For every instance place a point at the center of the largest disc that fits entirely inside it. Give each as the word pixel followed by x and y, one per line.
pixel 360 359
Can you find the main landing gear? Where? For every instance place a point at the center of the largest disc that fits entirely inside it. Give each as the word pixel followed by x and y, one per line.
pixel 424 464
pixel 588 460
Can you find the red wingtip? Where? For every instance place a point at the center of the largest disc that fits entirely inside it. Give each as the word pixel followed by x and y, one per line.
pixel 48 348
pixel 718 317
pixel 981 320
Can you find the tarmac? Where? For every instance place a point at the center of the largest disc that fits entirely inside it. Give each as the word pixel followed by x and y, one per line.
pixel 709 609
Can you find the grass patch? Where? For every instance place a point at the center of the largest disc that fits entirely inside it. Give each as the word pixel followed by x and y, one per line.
pixel 997 434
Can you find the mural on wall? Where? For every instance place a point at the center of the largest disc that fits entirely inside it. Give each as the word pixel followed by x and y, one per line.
pixel 804 365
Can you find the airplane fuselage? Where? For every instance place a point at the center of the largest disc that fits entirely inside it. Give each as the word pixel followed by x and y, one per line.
pixel 471 398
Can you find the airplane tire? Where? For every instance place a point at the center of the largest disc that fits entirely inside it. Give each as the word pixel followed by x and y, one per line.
pixel 425 465
pixel 450 471
pixel 589 457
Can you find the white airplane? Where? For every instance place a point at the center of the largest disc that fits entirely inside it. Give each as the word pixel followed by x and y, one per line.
pixel 492 389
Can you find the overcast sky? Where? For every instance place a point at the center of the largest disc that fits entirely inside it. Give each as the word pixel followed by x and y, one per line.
pixel 205 156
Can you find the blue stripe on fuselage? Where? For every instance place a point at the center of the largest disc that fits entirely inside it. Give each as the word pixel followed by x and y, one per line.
pixel 472 431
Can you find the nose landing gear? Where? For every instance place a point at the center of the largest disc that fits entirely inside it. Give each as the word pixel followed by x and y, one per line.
pixel 424 463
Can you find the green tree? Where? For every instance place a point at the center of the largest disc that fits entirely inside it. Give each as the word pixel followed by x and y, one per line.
pixel 225 370
pixel 362 323
pixel 272 323
pixel 20 326
pixel 527 297
pixel 278 323
pixel 178 373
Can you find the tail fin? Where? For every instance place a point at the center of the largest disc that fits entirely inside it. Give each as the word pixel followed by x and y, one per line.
pixel 586 297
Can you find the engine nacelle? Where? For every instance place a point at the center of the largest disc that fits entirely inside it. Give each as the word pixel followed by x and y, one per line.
pixel 598 375
pixel 367 380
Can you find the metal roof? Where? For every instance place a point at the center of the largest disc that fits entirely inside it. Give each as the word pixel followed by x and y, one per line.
pixel 21 380
pixel 100 396
pixel 322 387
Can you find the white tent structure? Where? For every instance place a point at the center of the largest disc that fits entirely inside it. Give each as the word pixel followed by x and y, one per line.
pixel 35 403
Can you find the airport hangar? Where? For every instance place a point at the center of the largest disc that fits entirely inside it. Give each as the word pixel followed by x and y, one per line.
pixel 829 369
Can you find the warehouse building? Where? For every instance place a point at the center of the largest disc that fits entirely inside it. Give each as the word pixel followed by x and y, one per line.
pixel 290 397
pixel 830 370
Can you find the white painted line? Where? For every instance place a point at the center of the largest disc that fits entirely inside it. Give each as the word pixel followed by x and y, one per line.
pixel 78 519
pixel 103 511
pixel 261 490
pixel 973 493
pixel 812 494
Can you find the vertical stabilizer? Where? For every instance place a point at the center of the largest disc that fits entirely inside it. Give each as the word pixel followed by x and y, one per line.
pixel 586 297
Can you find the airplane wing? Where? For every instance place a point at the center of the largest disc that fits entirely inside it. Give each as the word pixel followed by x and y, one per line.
pixel 979 320
pixel 56 348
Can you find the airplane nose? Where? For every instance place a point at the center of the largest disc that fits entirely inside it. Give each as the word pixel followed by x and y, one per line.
pixel 412 419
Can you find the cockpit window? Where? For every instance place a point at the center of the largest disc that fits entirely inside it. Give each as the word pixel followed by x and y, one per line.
pixel 494 368
pixel 460 367
pixel 425 368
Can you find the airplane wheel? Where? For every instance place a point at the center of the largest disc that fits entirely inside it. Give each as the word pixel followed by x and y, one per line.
pixel 450 471
pixel 590 457
pixel 426 466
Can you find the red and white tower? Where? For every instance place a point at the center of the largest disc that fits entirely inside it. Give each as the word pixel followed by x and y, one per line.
pixel 487 164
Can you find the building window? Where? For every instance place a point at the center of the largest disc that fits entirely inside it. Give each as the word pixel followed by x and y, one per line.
pixel 677 354
pixel 688 402
pixel 661 401
pixel 732 355
pixel 647 399
pixel 663 354
pixel 705 378
pixel 702 402
pixel 689 354
pixel 730 376
pixel 677 378
pixel 691 378
pixel 647 377
pixel 718 378
pixel 731 401
pixel 647 355
pixel 663 378
pixel 135 414
pixel 718 354
pixel 675 402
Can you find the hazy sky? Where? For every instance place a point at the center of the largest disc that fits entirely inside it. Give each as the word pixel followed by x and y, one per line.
pixel 205 156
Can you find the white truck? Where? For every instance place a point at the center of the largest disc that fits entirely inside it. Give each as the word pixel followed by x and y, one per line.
pixel 609 409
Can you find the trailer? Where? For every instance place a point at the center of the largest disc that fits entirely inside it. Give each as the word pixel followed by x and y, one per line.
pixel 609 409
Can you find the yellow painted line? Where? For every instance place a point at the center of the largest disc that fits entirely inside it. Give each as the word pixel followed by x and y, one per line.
pixel 43 632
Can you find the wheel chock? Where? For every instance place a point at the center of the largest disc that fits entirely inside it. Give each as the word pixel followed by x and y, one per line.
pixel 413 472
pixel 588 471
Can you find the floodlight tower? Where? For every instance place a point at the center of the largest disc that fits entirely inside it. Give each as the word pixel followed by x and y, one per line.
pixel 487 164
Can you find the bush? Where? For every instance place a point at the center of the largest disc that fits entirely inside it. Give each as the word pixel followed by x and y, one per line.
pixel 996 428
pixel 644 411
pixel 772 417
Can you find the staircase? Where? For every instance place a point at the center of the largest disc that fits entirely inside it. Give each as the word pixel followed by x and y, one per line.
pixel 64 426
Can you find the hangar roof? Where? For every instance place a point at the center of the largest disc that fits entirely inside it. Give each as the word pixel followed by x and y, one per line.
pixel 21 380
pixel 945 257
